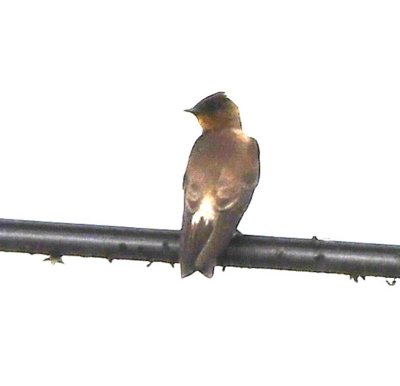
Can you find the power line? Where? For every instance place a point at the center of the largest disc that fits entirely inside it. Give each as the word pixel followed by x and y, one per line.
pixel 59 239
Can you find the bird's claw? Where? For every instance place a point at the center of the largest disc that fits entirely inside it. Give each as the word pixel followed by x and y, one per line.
pixel 237 233
pixel 391 283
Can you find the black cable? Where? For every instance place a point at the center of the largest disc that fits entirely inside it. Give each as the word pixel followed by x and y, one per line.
pixel 58 239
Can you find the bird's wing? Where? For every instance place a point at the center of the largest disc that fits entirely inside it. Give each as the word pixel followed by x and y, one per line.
pixel 204 240
pixel 194 235
pixel 233 195
pixel 234 184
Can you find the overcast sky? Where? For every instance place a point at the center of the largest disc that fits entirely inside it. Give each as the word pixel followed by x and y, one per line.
pixel 93 131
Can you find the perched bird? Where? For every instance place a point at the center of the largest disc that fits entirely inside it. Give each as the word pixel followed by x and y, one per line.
pixel 220 178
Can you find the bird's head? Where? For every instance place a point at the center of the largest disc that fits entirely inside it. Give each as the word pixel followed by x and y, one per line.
pixel 216 112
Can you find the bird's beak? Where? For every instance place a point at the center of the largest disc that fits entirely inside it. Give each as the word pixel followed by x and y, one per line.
pixel 192 110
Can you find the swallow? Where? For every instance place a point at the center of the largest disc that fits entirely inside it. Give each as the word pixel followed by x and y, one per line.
pixel 221 175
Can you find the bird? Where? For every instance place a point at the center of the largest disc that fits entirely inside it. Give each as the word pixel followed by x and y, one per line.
pixel 220 178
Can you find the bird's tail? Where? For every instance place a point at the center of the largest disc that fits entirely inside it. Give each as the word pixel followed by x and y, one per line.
pixel 193 239
pixel 206 266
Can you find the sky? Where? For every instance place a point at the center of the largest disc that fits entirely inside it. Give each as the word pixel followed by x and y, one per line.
pixel 93 131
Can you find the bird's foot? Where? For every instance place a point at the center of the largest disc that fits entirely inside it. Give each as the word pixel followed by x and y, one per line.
pixel 391 283
pixel 237 234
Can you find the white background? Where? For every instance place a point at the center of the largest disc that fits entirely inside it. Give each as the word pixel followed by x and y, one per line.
pixel 92 131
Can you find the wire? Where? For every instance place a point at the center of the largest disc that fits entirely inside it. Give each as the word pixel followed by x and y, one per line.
pixel 59 239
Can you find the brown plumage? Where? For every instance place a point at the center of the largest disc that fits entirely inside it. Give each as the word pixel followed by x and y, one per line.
pixel 221 175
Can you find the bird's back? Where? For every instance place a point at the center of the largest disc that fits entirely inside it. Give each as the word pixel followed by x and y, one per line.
pixel 220 178
pixel 218 154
